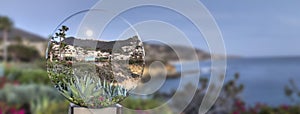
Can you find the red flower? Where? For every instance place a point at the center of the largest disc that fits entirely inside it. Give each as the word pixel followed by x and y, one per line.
pixel 236 112
pixel 284 107
pixel 240 105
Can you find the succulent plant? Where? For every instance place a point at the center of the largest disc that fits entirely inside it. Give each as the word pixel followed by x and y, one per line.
pixel 86 88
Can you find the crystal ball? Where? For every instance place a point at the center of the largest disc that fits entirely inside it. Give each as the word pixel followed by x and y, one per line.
pixel 92 72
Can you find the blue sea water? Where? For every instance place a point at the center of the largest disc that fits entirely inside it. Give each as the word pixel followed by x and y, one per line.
pixel 264 78
pixel 1 70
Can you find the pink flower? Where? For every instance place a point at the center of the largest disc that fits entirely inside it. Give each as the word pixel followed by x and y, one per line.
pixel 141 112
pixel 22 111
pixel 101 98
pixel 14 111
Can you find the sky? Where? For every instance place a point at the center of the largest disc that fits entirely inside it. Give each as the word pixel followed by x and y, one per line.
pixel 250 28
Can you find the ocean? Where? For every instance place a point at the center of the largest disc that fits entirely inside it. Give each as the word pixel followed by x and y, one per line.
pixel 264 79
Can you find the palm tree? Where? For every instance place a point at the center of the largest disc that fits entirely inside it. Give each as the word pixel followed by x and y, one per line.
pixel 5 25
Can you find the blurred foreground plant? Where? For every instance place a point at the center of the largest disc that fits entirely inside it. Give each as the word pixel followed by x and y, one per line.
pixel 44 105
pixel 292 92
pixel 28 76
pixel 144 106
pixel 34 97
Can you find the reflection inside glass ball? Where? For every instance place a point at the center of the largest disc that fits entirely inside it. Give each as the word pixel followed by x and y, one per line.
pixel 94 73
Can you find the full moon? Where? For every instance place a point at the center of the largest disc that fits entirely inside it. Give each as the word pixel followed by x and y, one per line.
pixel 89 33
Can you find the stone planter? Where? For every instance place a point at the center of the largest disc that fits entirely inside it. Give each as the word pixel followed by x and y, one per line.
pixel 74 109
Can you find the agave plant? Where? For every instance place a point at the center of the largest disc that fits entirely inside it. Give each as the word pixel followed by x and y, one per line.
pixel 89 90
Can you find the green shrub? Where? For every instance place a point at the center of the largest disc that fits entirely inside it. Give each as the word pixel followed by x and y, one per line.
pixel 28 76
pixel 138 105
pixel 42 99
pixel 33 76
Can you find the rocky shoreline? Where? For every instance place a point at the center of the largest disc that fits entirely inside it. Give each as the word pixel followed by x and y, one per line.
pixel 170 69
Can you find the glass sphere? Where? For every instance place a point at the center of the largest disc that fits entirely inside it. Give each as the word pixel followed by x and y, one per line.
pixel 91 72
